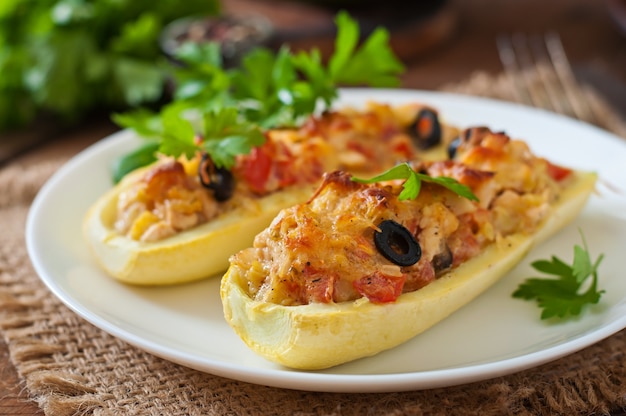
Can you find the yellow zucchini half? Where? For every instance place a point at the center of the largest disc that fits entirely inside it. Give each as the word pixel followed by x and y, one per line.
pixel 204 250
pixel 194 254
pixel 318 336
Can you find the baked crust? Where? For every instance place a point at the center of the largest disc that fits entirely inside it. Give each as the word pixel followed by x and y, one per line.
pixel 319 287
pixel 361 141
pixel 321 335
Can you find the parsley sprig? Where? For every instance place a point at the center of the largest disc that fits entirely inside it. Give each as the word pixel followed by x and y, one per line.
pixel 225 136
pixel 67 58
pixel 413 182
pixel 563 295
pixel 269 89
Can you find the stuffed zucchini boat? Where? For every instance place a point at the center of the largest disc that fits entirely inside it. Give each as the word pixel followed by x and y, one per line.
pixel 180 219
pixel 363 267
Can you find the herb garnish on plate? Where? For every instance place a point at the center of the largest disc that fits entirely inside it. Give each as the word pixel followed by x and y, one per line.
pixel 223 112
pixel 564 295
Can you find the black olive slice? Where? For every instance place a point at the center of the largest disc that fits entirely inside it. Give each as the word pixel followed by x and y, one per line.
pixel 471 134
pixel 219 180
pixel 426 129
pixel 397 244
pixel 453 146
pixel 443 260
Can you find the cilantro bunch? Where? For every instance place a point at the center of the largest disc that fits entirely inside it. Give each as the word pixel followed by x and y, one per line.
pixel 69 57
pixel 229 108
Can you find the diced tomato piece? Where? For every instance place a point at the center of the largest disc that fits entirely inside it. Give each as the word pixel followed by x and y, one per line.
pixel 558 173
pixel 269 167
pixel 404 149
pixel 418 276
pixel 380 288
pixel 258 166
pixel 285 173
pixel 362 149
pixel 388 131
pixel 340 123
pixel 319 285
pixel 463 243
pixel 311 127
pixel 160 180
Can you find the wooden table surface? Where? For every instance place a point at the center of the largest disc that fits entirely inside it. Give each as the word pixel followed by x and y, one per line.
pixel 595 43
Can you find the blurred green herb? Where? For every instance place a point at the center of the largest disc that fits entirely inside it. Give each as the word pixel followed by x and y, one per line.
pixel 268 89
pixel 69 57
pixel 142 156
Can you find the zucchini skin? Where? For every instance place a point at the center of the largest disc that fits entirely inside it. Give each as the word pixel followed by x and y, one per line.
pixel 203 251
pixel 195 254
pixel 319 336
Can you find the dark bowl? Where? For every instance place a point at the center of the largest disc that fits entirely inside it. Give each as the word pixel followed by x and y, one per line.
pixel 235 34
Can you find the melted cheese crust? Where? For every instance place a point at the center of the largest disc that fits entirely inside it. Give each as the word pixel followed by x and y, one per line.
pixel 168 198
pixel 323 251
pixel 296 296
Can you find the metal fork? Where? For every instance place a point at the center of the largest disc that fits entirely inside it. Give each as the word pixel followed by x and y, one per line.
pixel 541 75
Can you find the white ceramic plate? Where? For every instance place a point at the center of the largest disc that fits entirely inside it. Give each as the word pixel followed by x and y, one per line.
pixel 492 336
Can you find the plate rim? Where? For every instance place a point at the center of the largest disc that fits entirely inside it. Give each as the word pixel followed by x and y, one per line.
pixel 316 381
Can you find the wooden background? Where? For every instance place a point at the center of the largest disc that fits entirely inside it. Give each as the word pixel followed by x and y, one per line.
pixel 459 40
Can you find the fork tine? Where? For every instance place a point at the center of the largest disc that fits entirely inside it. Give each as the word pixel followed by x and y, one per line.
pixel 566 77
pixel 523 72
pixel 540 75
pixel 531 71
pixel 512 70
pixel 548 77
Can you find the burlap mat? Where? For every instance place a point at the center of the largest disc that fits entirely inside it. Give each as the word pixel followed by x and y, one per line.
pixel 70 367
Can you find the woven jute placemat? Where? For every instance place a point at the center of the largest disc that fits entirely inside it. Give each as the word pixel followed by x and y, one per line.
pixel 70 367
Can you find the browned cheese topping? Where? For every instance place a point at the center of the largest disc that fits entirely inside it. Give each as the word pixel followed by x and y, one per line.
pixel 323 251
pixel 169 198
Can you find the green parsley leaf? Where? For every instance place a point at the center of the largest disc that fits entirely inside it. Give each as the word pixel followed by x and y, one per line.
pixel 137 37
pixel 413 183
pixel 178 136
pixel 144 122
pixel 319 85
pixel 70 57
pixel 374 63
pixel 563 296
pixel 201 82
pixel 139 81
pixel 345 43
pixel 142 156
pixel 262 86
pixel 226 136
pixel 267 90
pixel 222 133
